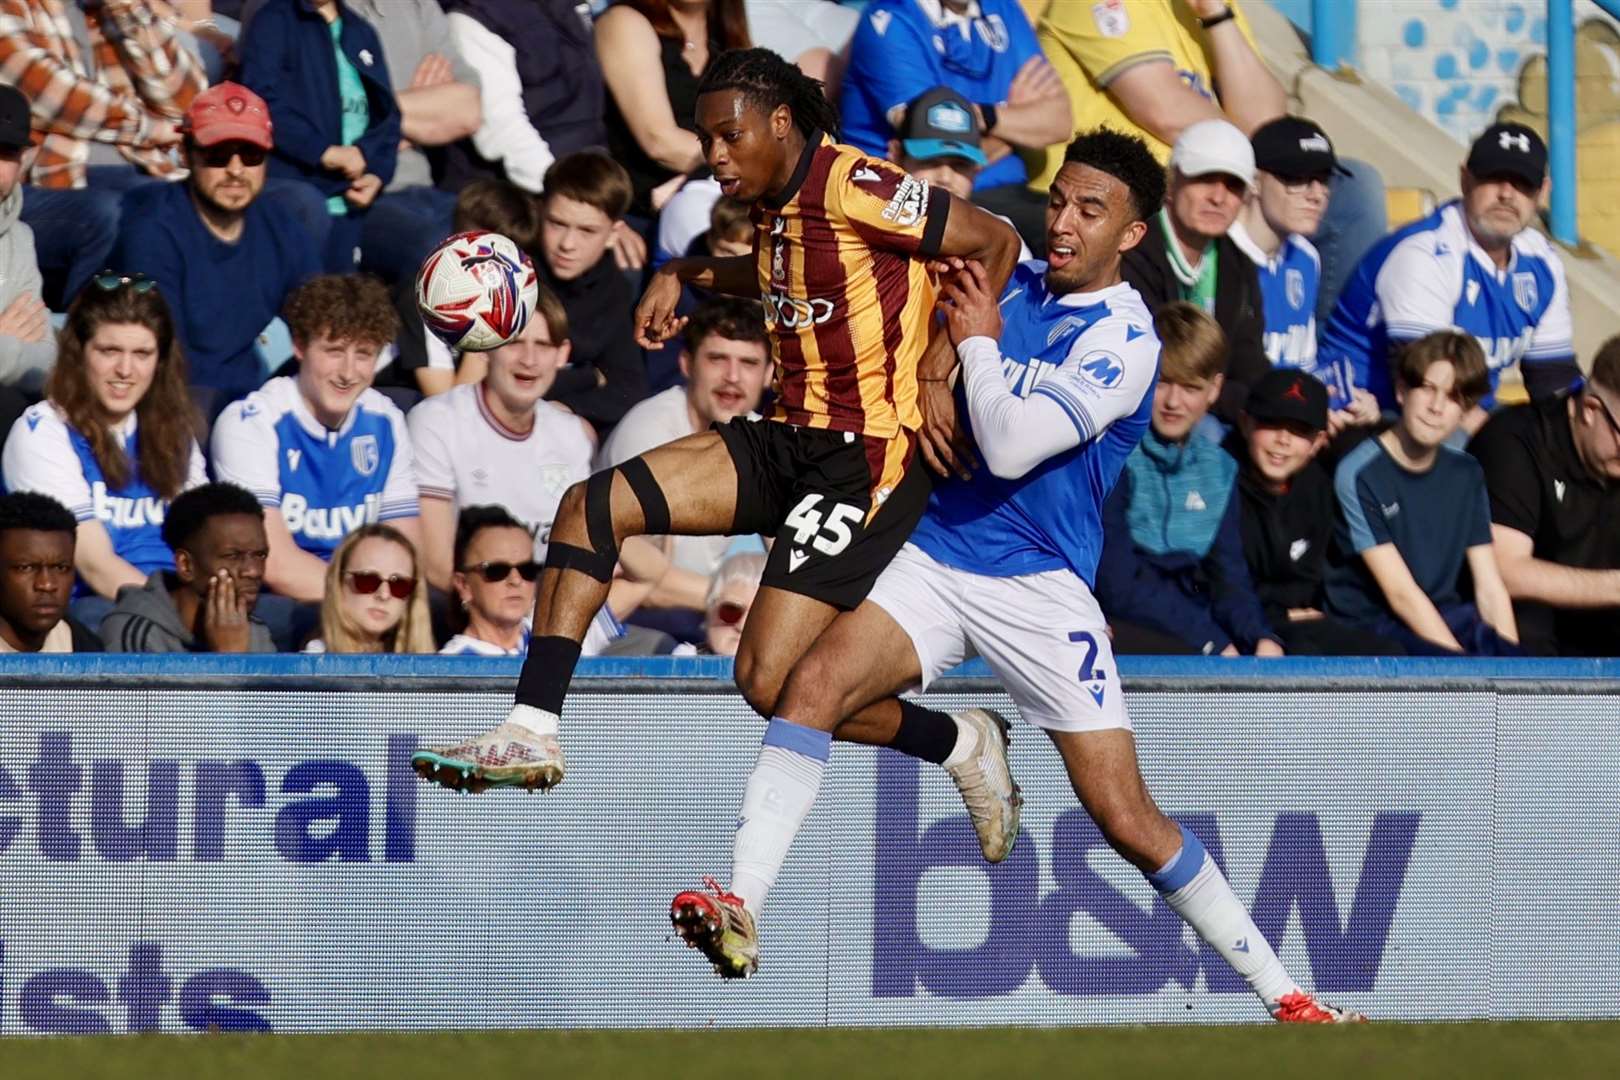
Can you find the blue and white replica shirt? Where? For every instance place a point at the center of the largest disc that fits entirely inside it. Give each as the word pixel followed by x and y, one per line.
pixel 1432 276
pixel 45 454
pixel 1054 410
pixel 904 48
pixel 325 483
pixel 1290 281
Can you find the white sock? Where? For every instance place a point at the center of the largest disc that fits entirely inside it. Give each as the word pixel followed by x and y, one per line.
pixel 781 790
pixel 1195 889
pixel 966 742
pixel 537 722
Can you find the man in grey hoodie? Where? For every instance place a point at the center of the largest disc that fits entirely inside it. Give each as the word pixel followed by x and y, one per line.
pixel 204 604
pixel 27 345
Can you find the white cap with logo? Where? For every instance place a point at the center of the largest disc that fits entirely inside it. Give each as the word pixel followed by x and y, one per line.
pixel 1213 146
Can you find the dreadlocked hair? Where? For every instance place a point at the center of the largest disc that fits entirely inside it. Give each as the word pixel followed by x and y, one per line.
pixel 766 81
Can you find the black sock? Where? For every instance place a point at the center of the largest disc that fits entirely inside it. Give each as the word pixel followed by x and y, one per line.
pixel 924 733
pixel 547 671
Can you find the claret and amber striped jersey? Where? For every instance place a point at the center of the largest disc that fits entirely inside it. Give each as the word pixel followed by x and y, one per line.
pixel 848 298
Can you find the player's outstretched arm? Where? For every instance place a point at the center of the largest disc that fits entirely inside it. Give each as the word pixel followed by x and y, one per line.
pixel 655 319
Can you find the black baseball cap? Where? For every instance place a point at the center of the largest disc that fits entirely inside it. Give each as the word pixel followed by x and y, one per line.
pixel 1289 394
pixel 15 127
pixel 1509 150
pixel 1292 146
pixel 940 124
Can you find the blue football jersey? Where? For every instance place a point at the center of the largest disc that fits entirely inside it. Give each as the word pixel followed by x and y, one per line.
pixel 1290 281
pixel 904 48
pixel 1432 276
pixel 326 483
pixel 45 454
pixel 1096 355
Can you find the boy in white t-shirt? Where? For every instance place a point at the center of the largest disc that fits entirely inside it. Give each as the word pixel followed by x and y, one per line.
pixel 495 442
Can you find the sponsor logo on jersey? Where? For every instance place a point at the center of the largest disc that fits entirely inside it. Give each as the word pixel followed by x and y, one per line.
pixel 1558 489
pixel 1524 285
pixel 327 522
pixel 1195 501
pixel 125 512
pixel 909 204
pixel 365 455
pixel 293 458
pixel 1102 369
pixel 791 313
pixel 1297 550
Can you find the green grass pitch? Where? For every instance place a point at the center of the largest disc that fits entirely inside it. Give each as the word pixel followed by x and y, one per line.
pixel 1474 1051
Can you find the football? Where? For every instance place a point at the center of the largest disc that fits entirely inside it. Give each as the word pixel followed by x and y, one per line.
pixel 476 291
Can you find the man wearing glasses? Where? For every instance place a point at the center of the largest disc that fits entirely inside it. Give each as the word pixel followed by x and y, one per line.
pixel 224 259
pixel 1552 469
pixel 1294 168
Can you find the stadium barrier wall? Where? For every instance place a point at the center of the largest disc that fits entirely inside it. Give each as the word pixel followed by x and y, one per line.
pixel 240 844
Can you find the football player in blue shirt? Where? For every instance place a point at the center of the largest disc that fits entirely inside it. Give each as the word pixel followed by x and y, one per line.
pixel 1474 264
pixel 1057 384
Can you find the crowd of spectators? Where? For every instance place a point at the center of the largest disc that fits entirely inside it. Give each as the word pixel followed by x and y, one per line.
pixel 226 430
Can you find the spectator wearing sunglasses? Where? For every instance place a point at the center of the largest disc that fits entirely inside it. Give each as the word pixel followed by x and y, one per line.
pixel 115 440
pixel 322 451
pixel 225 259
pixel 495 580
pixel 731 595
pixel 205 604
pixel 375 602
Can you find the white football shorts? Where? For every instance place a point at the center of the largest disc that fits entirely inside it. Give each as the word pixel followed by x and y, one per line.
pixel 1042 634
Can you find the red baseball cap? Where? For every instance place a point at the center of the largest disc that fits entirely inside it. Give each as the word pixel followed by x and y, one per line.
pixel 226 112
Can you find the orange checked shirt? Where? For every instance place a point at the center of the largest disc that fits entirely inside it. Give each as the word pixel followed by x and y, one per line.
pixel 848 299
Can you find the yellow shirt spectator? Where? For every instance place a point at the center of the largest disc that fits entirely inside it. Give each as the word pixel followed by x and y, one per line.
pixel 1091 44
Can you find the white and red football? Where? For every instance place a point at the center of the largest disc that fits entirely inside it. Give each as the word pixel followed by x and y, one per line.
pixel 476 291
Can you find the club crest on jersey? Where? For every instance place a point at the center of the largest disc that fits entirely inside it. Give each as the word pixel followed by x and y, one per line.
pixel 993 31
pixel 1524 290
pixel 554 478
pixel 1110 17
pixel 1294 286
pixel 1102 369
pixel 364 454
pixel 909 204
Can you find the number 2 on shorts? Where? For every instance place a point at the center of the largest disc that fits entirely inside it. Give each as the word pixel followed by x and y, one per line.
pixel 1087 673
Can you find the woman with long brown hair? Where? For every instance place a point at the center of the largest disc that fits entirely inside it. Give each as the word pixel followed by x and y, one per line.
pixel 653 52
pixel 115 439
pixel 376 596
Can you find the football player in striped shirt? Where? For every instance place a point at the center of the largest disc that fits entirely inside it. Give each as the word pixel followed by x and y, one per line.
pixel 840 260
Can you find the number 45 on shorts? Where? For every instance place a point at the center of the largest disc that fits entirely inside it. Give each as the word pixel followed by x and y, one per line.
pixel 828 532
